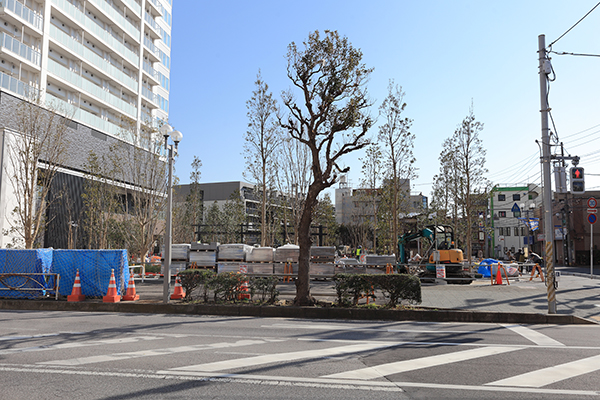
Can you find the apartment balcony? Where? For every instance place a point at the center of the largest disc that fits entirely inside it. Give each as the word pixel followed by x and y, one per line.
pixel 132 30
pixel 16 86
pixel 94 29
pixel 135 7
pixel 153 51
pixel 91 89
pixel 151 73
pixel 156 7
pixel 93 59
pixel 151 97
pixel 12 47
pixel 14 8
pixel 154 28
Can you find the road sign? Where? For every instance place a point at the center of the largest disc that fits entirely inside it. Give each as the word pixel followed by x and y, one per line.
pixel 592 202
pixel 592 218
pixel 592 210
pixel 515 208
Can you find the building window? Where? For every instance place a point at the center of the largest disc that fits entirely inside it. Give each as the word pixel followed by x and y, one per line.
pixel 501 197
pixel 516 231
pixel 507 231
pixel 502 214
pixel 522 231
pixel 517 214
pixel 500 231
pixel 516 197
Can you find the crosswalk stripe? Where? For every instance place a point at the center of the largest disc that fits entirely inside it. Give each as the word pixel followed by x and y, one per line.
pixel 279 357
pixel 535 336
pixel 419 363
pixel 151 353
pixel 74 345
pixel 547 376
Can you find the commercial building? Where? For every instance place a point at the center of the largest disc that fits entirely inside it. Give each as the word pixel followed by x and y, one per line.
pixel 104 64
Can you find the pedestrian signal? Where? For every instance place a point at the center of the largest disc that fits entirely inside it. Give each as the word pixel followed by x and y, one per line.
pixel 577 180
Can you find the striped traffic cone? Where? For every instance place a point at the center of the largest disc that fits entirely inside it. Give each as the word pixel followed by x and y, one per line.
pixel 111 294
pixel 130 295
pixel 178 290
pixel 76 294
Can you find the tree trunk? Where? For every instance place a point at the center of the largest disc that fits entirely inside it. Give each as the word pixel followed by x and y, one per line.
pixel 303 296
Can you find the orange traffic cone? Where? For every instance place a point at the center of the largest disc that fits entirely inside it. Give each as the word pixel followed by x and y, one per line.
pixel 130 295
pixel 498 276
pixel 76 294
pixel 178 291
pixel 111 294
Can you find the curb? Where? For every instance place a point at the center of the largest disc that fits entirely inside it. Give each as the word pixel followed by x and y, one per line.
pixel 427 315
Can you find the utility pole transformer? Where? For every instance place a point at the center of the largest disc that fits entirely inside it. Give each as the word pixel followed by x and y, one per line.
pixel 545 70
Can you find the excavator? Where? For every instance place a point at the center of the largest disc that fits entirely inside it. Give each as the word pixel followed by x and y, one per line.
pixel 441 239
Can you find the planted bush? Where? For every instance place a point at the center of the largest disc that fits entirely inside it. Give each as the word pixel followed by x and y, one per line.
pixel 395 287
pixel 194 278
pixel 266 287
pixel 227 286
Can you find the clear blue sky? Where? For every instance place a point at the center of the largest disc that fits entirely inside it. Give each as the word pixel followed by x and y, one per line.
pixel 443 53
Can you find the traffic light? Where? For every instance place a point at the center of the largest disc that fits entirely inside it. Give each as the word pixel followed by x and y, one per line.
pixel 577 180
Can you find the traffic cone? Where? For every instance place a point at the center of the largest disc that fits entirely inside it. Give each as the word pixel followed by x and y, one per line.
pixel 498 276
pixel 130 295
pixel 178 292
pixel 76 294
pixel 111 294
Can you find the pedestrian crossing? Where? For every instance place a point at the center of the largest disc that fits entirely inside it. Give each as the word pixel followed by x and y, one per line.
pixel 347 357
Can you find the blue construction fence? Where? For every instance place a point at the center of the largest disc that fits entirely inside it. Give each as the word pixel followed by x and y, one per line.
pixel 94 270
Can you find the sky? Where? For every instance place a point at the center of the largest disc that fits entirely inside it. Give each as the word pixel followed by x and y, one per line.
pixel 446 55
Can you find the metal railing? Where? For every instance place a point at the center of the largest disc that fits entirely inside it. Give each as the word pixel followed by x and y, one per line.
pixel 24 12
pixel 36 284
pixel 20 48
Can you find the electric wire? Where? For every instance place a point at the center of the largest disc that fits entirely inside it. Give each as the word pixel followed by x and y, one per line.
pixel 564 53
pixel 576 23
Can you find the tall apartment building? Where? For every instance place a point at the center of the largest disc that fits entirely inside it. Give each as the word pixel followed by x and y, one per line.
pixel 103 62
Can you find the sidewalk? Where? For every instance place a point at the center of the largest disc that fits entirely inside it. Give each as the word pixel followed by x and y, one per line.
pixel 576 295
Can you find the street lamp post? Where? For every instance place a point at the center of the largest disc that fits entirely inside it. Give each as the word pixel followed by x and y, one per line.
pixel 176 137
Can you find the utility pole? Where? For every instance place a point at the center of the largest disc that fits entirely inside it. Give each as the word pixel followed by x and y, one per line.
pixel 545 69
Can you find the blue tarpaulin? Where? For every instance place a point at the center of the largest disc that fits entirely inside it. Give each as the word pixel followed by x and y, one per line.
pixel 14 261
pixel 485 267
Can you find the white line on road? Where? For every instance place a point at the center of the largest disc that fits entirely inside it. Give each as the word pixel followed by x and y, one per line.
pixel 284 357
pixel 153 352
pixel 547 376
pixel 295 381
pixel 72 345
pixel 534 336
pixel 382 370
pixel 348 328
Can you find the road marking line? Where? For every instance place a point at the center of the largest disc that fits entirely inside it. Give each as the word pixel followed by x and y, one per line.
pixel 152 353
pixel 295 381
pixel 347 328
pixel 382 370
pixel 72 345
pixel 282 357
pixel 534 336
pixel 547 376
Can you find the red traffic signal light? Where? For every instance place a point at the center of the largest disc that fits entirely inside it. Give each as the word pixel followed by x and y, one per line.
pixel 577 173
pixel 577 180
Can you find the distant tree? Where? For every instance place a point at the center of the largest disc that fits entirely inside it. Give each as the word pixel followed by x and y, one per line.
pixel 99 201
pixel 187 216
pixel 262 139
pixel 371 183
pixel 35 153
pixel 397 147
pixel 234 214
pixel 145 172
pixel 331 119
pixel 324 215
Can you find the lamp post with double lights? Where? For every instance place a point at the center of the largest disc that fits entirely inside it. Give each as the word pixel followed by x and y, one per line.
pixel 176 137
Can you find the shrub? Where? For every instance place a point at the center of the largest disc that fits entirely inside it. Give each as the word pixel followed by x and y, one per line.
pixel 266 287
pixel 193 278
pixel 227 286
pixel 395 287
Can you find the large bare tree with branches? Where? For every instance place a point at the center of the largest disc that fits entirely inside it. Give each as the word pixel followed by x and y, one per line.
pixel 331 118
pixel 35 153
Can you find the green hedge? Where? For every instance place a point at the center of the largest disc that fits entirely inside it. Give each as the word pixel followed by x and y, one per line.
pixel 395 288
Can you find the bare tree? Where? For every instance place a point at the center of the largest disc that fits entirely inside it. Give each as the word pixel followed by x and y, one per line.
pixel 398 144
pixel 261 142
pixel 35 153
pixel 331 119
pixel 145 176
pixel 371 183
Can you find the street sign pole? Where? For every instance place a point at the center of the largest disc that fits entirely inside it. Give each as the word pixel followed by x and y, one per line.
pixel 592 251
pixel 591 203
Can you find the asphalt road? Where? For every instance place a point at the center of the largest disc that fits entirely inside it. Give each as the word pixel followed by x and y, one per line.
pixel 56 355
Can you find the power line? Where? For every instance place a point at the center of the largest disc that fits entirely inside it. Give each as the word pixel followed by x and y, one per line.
pixel 569 30
pixel 564 53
